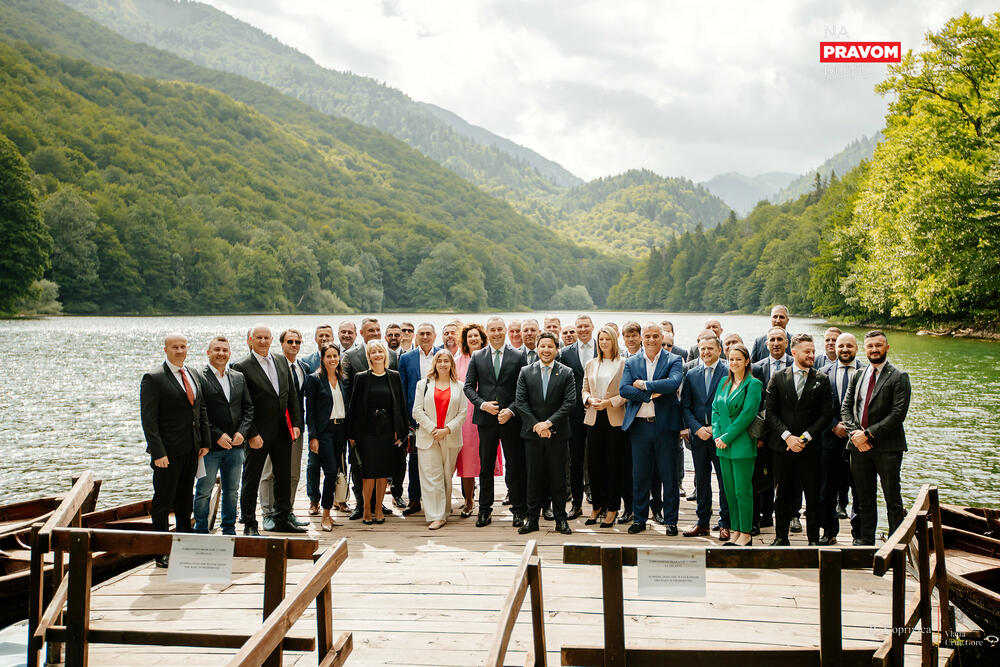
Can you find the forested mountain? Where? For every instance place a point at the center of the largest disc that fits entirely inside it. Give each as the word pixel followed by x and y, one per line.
pixel 206 36
pixel 172 197
pixel 742 193
pixel 841 163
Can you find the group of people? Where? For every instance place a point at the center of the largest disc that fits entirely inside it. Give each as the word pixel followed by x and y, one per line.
pixel 577 411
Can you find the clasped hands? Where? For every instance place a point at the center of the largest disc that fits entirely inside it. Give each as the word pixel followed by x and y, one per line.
pixel 795 443
pixel 493 408
pixel 860 440
pixel 543 429
pixel 227 442
pixel 599 403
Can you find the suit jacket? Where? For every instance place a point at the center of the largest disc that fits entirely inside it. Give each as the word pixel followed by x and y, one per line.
pixel 760 351
pixel 696 404
pixel 667 377
pixel 172 426
pixel 226 416
pixel 556 406
pixel 358 415
pixel 355 360
pixel 822 361
pixel 319 402
pixel 424 413
pixel 616 412
pixel 570 356
pixel 732 413
pixel 830 439
pixel 311 362
pixel 888 407
pixel 300 387
pixel 482 386
pixel 269 406
pixel 409 375
pixel 786 411
pixel 762 369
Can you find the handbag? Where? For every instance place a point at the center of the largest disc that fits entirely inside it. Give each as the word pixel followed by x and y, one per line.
pixel 756 427
pixel 340 492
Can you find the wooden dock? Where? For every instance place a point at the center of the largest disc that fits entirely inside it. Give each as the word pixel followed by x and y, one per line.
pixel 417 597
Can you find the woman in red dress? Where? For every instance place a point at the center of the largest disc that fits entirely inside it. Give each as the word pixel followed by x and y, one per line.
pixel 471 338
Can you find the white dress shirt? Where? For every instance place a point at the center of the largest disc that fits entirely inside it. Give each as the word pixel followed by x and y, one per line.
pixel 863 388
pixel 177 372
pixel 425 361
pixel 270 370
pixel 223 378
pixel 647 409
pixel 338 411
pixel 606 369
pixel 804 372
pixel 586 352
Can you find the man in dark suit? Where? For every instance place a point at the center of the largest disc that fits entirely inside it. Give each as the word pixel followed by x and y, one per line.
pixel 354 361
pixel 414 366
pixel 576 356
pixel 175 423
pixel 799 407
pixel 763 472
pixel 653 421
pixel 779 319
pixel 545 399
pixel 230 414
pixel 277 421
pixel 697 396
pixel 832 460
pixel 491 385
pixel 829 356
pixel 873 411
pixel 324 335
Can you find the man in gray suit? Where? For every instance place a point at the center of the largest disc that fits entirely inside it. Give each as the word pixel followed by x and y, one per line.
pixel 873 411
pixel 545 399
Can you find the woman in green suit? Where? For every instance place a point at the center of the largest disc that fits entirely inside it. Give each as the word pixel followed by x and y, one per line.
pixel 733 410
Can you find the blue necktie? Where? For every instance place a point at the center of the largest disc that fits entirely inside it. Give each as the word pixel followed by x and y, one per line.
pixel 843 386
pixel 709 374
pixel 545 380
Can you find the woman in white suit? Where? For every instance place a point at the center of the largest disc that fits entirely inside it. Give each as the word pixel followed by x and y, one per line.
pixel 439 408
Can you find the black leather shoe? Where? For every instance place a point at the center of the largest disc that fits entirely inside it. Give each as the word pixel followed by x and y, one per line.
pixel 658 518
pixel 574 512
pixel 484 520
pixel 625 518
pixel 827 541
pixel 814 543
pixel 296 521
pixel 518 521
pixel 506 501
pixel 412 508
pixel 251 531
pixel 356 514
pixel 548 515
pixel 562 526
pixel 755 531
pixel 285 527
pixel 530 526
pixel 795 526
pixel 636 528
pixel 779 542
pixel 671 529
pixel 841 512
pixel 858 542
pixel 398 501
pixel 386 510
pixel 693 496
pixel 163 561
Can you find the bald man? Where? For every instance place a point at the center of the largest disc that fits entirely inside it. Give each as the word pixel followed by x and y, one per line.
pixel 175 423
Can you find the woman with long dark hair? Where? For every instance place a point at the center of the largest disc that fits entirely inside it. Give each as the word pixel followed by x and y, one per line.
pixel 327 398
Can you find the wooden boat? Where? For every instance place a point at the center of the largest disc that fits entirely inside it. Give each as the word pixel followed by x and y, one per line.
pixel 972 554
pixel 16 516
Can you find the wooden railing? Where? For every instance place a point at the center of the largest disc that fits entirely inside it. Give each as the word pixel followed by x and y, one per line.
pixel 831 651
pixel 80 500
pixel 527 577
pixel 919 534
pixel 75 591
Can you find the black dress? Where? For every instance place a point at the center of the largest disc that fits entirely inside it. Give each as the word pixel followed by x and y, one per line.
pixel 378 448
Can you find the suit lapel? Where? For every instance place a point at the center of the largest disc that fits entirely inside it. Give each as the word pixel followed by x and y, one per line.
pixel 882 378
pixel 255 366
pixel 175 382
pixel 661 364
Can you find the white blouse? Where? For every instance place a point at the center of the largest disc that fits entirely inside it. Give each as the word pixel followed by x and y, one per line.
pixel 606 370
pixel 338 411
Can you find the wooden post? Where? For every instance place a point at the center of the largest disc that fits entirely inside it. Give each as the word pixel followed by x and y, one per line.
pixel 324 622
pixel 537 612
pixel 275 569
pixel 54 652
pixel 78 600
pixel 928 652
pixel 944 603
pixel 614 606
pixel 36 582
pixel 830 638
pixel 898 604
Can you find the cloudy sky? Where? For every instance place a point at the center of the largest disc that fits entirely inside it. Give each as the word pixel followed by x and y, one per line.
pixel 603 86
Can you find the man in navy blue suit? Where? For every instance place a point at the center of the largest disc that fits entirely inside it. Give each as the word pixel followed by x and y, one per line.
pixel 653 422
pixel 697 395
pixel 413 366
pixel 779 319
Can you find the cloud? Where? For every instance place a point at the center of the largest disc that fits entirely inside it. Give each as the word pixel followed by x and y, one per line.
pixel 600 87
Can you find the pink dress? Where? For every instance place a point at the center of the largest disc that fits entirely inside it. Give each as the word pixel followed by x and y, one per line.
pixel 468 456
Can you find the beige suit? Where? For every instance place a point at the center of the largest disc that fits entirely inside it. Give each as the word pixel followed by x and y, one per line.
pixel 437 459
pixel 616 411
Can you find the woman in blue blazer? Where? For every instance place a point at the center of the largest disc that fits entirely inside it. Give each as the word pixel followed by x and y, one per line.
pixel 733 410
pixel 327 398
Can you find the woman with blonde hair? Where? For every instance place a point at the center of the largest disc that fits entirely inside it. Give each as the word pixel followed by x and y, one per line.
pixel 439 408
pixel 377 426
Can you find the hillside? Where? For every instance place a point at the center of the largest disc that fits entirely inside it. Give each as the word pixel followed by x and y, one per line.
pixel 206 36
pixel 841 163
pixel 182 200
pixel 743 192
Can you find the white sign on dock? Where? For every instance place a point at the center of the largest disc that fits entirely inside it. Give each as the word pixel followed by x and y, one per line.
pixel 201 559
pixel 671 572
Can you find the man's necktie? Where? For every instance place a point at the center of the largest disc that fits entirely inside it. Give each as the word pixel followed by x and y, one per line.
pixel 843 386
pixel 709 374
pixel 496 364
pixel 295 377
pixel 272 374
pixel 800 382
pixel 532 356
pixel 545 380
pixel 868 397
pixel 187 386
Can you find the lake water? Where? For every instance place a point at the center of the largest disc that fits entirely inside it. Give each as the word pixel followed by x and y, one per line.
pixel 69 396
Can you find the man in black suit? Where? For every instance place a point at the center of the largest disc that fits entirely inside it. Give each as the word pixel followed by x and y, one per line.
pixel 491 383
pixel 230 414
pixel 576 356
pixel 873 411
pixel 779 319
pixel 277 421
pixel 354 361
pixel 799 407
pixel 545 399
pixel 175 423
pixel 833 456
pixel 529 338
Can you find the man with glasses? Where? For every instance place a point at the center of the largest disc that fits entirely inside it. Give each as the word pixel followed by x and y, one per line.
pixel 393 336
pixel 406 342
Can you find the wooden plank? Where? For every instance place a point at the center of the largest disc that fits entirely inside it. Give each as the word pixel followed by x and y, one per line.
pixel 178 639
pixel 831 648
pixel 614 611
pixel 69 508
pixel 940 570
pixel 275 574
pixel 537 654
pixel 928 650
pixel 155 543
pixel 78 600
pixel 511 607
pixel 342 648
pixel 699 657
pixel 735 557
pixel 903 534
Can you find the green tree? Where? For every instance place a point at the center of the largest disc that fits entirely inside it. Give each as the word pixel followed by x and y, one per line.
pixel 75 266
pixel 572 298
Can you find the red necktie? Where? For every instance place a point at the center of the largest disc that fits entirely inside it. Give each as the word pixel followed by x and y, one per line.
pixel 187 387
pixel 868 397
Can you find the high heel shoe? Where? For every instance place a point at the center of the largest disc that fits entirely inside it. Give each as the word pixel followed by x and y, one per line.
pixel 467 512
pixel 611 523
pixel 368 522
pixel 380 521
pixel 590 522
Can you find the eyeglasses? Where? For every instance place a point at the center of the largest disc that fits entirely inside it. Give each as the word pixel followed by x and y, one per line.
pixel 407 330
pixel 293 342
